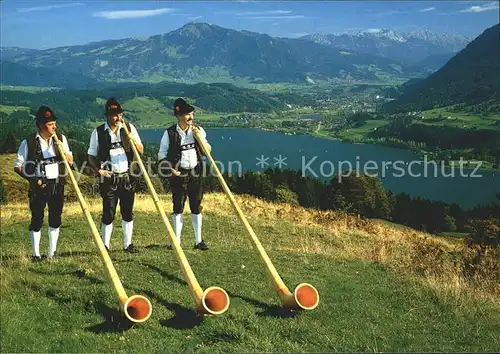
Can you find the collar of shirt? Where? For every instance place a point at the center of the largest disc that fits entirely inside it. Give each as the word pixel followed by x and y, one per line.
pixel 107 127
pixel 42 140
pixel 182 132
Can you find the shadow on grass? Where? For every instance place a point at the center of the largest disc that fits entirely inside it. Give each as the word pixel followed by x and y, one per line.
pixel 155 247
pixel 184 317
pixel 81 274
pixel 51 294
pixel 164 274
pixel 11 257
pixel 17 257
pixel 267 310
pixel 114 320
pixel 75 254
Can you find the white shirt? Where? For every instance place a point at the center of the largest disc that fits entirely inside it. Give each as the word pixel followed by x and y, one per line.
pixel 189 159
pixel 119 162
pixel 48 151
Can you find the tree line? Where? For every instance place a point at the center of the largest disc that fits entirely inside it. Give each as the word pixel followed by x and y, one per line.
pixel 85 105
pixel 356 194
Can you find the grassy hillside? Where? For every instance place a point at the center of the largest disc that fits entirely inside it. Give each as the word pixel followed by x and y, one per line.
pixel 148 102
pixel 150 112
pixel 360 133
pixel 447 116
pixel 147 111
pixel 16 188
pixel 21 75
pixel 10 109
pixel 30 89
pixel 382 288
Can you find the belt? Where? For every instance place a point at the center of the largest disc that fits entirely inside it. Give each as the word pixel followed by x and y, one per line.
pixel 121 174
pixel 185 169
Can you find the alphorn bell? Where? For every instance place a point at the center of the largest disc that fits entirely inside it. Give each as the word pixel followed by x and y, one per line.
pixel 136 308
pixel 305 296
pixel 214 300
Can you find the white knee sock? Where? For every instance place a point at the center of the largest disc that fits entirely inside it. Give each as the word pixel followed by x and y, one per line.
pixel 178 221
pixel 128 227
pixel 53 237
pixel 106 231
pixel 196 218
pixel 35 242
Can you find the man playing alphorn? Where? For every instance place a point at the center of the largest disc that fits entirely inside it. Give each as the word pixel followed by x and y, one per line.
pixel 39 162
pixel 111 156
pixel 181 153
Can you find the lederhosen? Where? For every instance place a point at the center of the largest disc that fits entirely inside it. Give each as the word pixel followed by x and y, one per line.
pixel 53 192
pixel 189 183
pixel 121 186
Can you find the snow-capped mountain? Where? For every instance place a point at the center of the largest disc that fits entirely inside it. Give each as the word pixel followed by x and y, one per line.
pixel 410 48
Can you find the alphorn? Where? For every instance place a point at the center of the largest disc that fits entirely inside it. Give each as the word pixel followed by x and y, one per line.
pixel 136 308
pixel 214 300
pixel 305 296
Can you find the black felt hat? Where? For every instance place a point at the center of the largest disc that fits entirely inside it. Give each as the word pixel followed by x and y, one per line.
pixel 112 107
pixel 181 107
pixel 44 115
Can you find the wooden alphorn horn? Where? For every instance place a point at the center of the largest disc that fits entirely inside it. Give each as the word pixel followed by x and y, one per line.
pixel 305 296
pixel 214 300
pixel 136 308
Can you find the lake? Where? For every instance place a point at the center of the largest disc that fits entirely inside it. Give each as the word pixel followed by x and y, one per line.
pixel 400 170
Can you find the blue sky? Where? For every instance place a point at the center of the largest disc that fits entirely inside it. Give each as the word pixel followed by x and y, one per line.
pixel 47 24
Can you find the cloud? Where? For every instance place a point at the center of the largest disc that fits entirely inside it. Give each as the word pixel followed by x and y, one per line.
pixel 299 34
pixel 389 13
pixel 427 9
pixel 119 15
pixel 48 7
pixel 258 13
pixel 481 8
pixel 195 18
pixel 291 17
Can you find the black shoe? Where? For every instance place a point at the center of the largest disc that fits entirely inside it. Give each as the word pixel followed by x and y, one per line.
pixel 54 256
pixel 170 247
pixel 131 249
pixel 106 247
pixel 201 246
pixel 36 258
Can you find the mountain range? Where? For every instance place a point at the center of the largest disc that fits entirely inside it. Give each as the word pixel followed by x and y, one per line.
pixel 7 53
pixel 470 77
pixel 413 48
pixel 19 75
pixel 209 53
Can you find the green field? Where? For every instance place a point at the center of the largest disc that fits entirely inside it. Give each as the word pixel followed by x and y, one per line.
pixel 361 132
pixel 151 113
pixel 462 120
pixel 371 298
pixel 31 89
pixel 206 117
pixel 10 109
pixel 147 112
